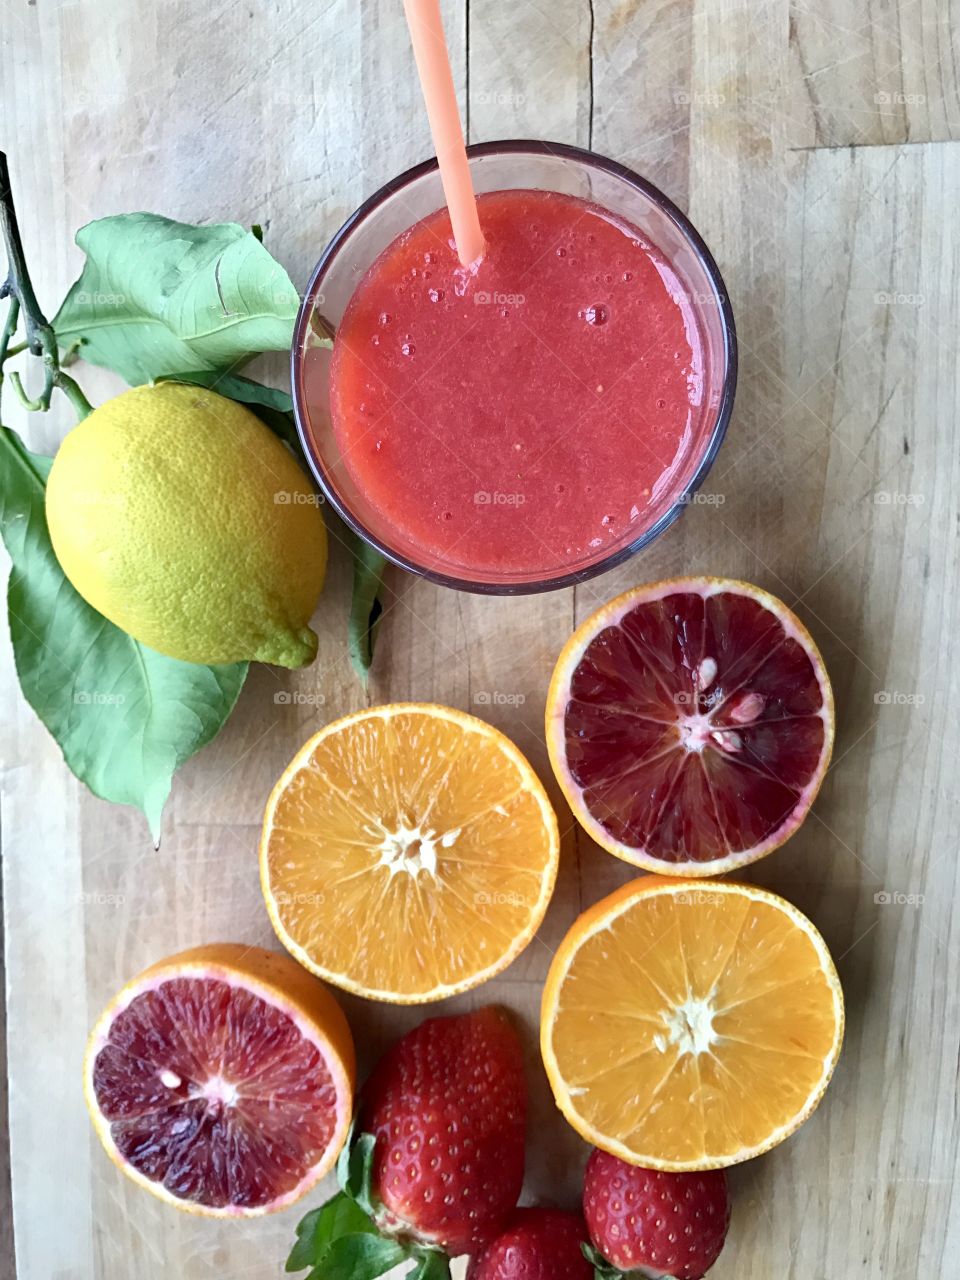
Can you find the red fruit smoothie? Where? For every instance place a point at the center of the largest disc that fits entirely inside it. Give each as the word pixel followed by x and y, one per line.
pixel 532 414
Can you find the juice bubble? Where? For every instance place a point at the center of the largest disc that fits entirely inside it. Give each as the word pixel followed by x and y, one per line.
pixel 595 314
pixel 384 318
pixel 407 348
pixel 435 295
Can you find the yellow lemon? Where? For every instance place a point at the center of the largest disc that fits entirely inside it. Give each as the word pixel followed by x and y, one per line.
pixel 180 517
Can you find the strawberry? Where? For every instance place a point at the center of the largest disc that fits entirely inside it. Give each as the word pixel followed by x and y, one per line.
pixel 653 1223
pixel 538 1244
pixel 435 1165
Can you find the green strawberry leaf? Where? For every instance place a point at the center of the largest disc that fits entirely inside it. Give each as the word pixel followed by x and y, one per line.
pixel 341 1240
pixel 305 1248
pixel 368 570
pixel 359 1257
pixel 355 1171
pixel 604 1270
pixel 339 1217
pixel 157 296
pixel 124 716
pixel 432 1264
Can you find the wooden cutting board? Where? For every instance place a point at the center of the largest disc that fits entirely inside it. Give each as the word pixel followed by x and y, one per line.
pixel 811 145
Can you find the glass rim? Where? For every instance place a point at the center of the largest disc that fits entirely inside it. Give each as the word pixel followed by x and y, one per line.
pixel 590 160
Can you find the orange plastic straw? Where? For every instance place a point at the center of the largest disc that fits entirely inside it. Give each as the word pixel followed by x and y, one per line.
pixel 436 81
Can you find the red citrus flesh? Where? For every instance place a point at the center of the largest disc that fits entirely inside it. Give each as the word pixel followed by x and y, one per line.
pixel 691 724
pixel 214 1094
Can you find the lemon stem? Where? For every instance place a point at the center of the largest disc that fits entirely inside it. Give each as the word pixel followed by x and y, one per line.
pixel 40 338
pixel 9 329
pixel 72 390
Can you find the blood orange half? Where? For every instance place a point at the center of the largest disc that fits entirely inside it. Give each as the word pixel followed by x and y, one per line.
pixel 690 725
pixel 222 1080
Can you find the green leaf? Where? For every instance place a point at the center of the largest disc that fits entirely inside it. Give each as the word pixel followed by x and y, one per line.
pixel 274 408
pixel 604 1270
pixel 157 296
pixel 305 1248
pixel 340 1216
pixel 359 1257
pixel 368 569
pixel 355 1170
pixel 433 1264
pixel 124 716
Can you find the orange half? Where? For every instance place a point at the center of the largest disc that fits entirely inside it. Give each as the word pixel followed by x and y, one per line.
pixel 221 1079
pixel 689 1026
pixel 690 724
pixel 409 853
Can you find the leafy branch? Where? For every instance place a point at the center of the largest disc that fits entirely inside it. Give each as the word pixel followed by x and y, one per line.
pixel 155 299
pixel 40 338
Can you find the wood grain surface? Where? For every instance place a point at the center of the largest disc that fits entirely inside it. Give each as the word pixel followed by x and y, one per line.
pixel 812 145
